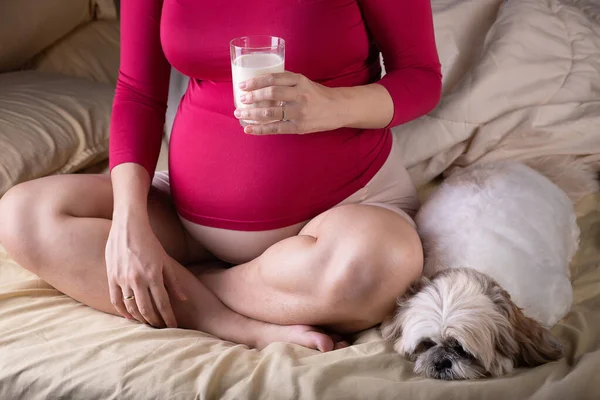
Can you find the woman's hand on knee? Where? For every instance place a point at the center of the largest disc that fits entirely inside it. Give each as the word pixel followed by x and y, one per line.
pixel 140 272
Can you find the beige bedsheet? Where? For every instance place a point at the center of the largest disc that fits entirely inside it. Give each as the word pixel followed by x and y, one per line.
pixel 51 347
pixel 521 80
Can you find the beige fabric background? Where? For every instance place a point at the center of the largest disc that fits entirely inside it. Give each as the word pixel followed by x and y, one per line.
pixel 91 52
pixel 105 9
pixel 53 347
pixel 522 80
pixel 29 26
pixel 50 124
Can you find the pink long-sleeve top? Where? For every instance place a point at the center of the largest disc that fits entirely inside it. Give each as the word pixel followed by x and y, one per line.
pixel 222 177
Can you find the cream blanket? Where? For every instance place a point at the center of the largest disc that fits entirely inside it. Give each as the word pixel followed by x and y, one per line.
pixel 521 80
pixel 52 347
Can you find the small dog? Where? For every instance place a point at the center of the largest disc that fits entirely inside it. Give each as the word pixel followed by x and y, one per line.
pixel 498 240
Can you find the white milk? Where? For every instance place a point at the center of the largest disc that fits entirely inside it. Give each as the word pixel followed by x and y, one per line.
pixel 249 66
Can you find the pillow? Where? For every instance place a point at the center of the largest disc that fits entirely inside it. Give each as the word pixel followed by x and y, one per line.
pixel 29 26
pixel 105 9
pixel 460 31
pixel 50 124
pixel 161 165
pixel 91 52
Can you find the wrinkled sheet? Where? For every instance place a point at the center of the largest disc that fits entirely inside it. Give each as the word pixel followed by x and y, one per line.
pixel 521 80
pixel 53 347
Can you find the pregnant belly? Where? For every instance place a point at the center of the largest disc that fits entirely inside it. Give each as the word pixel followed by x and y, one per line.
pixel 222 177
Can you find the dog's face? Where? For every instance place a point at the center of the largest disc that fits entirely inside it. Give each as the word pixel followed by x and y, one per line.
pixel 462 325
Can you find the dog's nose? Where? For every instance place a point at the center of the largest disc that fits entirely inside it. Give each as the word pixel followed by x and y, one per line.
pixel 443 364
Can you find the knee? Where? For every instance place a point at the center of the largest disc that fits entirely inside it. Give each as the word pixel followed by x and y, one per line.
pixel 366 278
pixel 11 211
pixel 18 217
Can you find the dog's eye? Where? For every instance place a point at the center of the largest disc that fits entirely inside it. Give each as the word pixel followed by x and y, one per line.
pixel 458 349
pixel 426 344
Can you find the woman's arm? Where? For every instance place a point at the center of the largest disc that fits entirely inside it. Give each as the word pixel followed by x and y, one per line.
pixel 136 263
pixel 364 107
pixel 130 183
pixel 140 103
pixel 403 31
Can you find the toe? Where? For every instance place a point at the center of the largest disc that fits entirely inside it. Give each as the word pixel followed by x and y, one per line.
pixel 341 345
pixel 324 343
pixel 310 337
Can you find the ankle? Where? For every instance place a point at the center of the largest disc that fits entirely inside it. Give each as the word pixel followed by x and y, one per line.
pixel 235 328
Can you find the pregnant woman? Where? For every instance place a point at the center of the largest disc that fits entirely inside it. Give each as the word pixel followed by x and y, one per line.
pixel 310 209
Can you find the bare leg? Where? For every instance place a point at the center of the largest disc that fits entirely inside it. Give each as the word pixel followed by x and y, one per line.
pixel 344 271
pixel 57 227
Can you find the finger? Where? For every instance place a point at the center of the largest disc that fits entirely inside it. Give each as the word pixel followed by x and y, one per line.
pixel 172 283
pixel 271 93
pixel 278 79
pixel 145 306
pixel 163 304
pixel 261 114
pixel 131 305
pixel 116 299
pixel 287 127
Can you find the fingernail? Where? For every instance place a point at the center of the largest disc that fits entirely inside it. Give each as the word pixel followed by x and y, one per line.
pixel 242 85
pixel 237 113
pixel 249 129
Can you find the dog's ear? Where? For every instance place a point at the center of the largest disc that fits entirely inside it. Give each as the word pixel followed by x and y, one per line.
pixel 414 288
pixel 526 342
pixel 391 327
pixel 536 343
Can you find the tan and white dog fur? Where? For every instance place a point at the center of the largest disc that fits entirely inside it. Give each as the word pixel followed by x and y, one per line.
pixel 498 240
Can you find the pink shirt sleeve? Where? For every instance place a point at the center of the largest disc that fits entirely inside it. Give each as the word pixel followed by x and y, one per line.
pixel 403 31
pixel 140 102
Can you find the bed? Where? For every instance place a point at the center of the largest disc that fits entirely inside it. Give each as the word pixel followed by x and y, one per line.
pixel 522 81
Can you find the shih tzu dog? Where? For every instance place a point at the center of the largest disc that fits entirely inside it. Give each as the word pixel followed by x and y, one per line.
pixel 497 240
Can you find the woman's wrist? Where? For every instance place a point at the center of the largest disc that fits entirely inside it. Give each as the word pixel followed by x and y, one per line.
pixel 339 107
pixel 131 184
pixel 363 107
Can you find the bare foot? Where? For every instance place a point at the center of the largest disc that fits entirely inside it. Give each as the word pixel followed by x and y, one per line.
pixel 259 334
pixel 339 341
pixel 303 335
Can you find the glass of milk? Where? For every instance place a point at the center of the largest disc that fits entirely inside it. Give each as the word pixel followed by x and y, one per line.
pixel 253 56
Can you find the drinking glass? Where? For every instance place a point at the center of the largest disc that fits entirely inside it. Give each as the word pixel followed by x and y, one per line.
pixel 253 56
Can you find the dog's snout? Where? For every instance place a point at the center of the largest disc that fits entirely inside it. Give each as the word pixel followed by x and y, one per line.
pixel 443 364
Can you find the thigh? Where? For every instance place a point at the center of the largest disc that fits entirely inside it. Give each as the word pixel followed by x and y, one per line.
pixel 91 196
pixel 368 247
pixel 364 227
pixel 374 254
